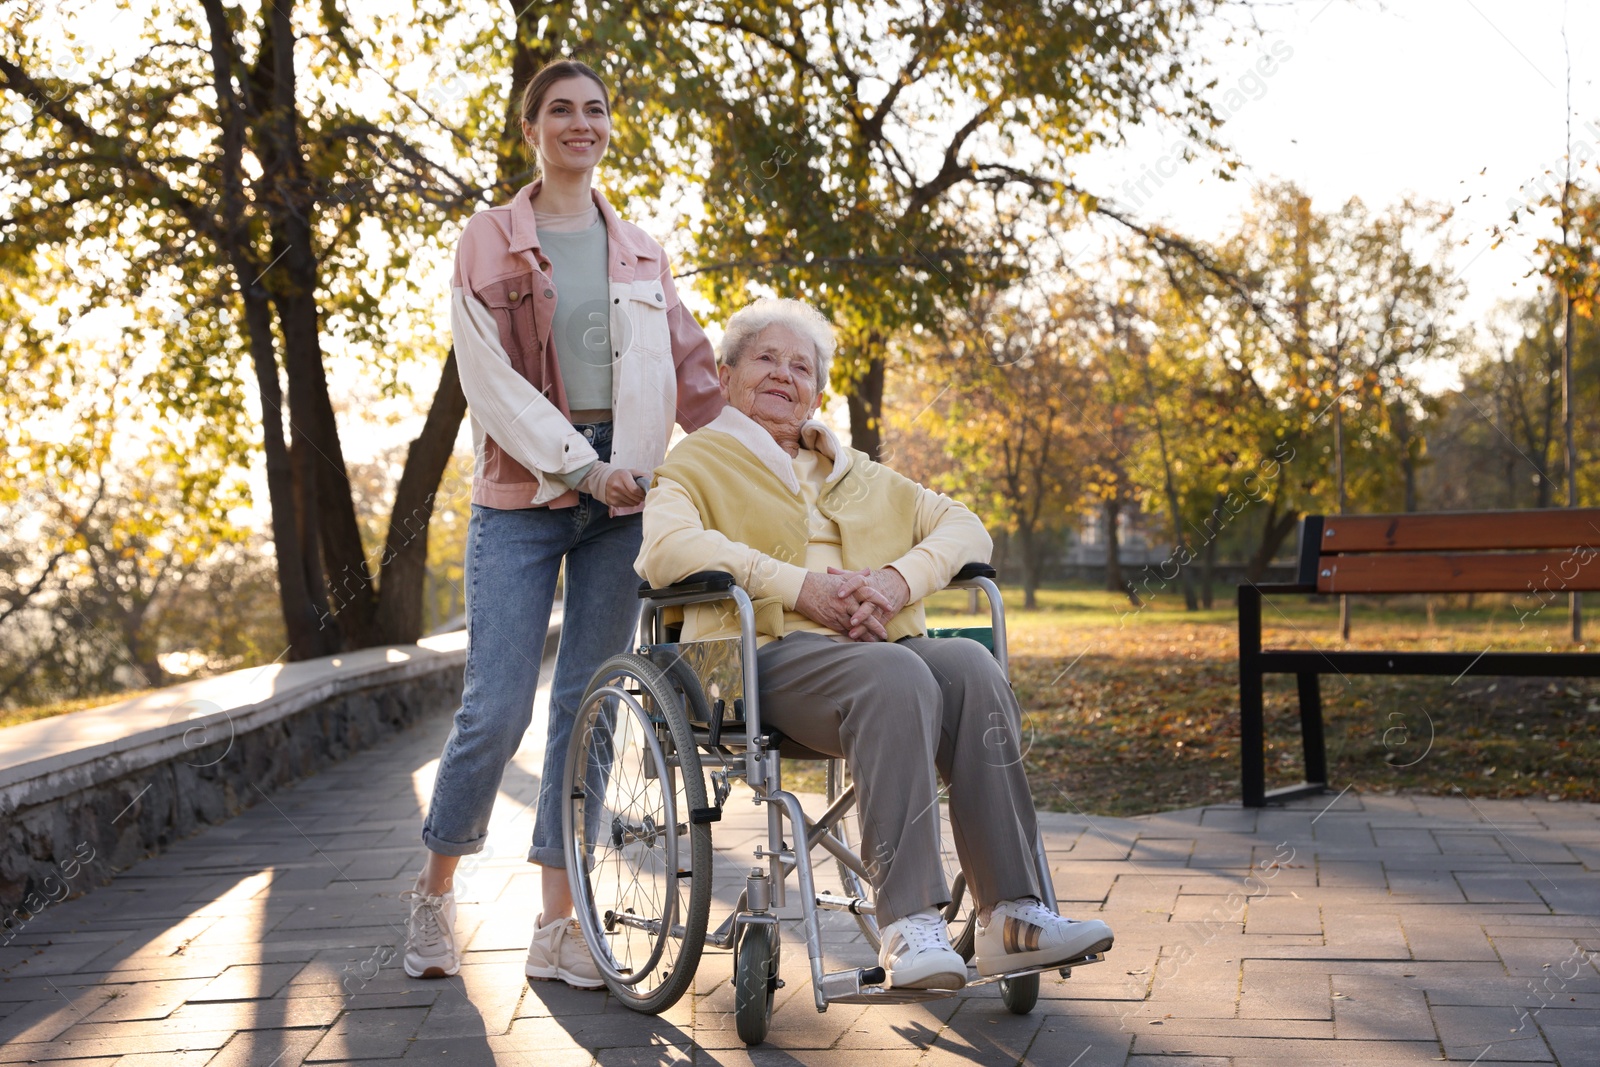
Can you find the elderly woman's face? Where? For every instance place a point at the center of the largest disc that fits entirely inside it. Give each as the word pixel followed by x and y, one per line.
pixel 776 380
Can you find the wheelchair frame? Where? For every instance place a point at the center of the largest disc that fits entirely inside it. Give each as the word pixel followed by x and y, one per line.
pixel 745 750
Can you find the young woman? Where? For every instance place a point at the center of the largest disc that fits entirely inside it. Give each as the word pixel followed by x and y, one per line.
pixel 576 358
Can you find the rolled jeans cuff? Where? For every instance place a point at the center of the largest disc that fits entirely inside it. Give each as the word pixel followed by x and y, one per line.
pixel 439 845
pixel 548 856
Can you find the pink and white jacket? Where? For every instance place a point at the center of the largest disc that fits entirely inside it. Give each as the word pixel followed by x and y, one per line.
pixel 501 308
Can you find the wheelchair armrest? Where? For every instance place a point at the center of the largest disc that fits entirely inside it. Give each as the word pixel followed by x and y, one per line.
pixel 973 570
pixel 699 582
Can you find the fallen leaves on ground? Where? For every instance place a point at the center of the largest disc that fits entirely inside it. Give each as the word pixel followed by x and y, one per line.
pixel 1141 713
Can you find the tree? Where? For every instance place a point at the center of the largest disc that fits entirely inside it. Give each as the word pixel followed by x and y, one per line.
pixel 1497 438
pixel 242 198
pixel 1294 337
pixel 1109 445
pixel 1361 299
pixel 1208 448
pixel 1011 376
pixel 99 575
pixel 447 545
pixel 804 128
pixel 1572 269
pixel 1137 349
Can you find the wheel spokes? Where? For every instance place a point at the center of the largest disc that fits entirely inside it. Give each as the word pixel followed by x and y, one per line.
pixel 628 798
pixel 641 880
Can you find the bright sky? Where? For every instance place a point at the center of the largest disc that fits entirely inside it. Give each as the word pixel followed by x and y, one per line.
pixel 1376 101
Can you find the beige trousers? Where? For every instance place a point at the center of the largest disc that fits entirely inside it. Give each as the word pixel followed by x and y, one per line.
pixel 897 712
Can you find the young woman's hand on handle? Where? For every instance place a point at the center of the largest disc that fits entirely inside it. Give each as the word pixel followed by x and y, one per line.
pixel 616 487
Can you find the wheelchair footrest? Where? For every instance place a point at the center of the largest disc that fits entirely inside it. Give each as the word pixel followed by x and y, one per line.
pixel 1084 961
pixel 1066 969
pixel 864 985
pixel 1081 961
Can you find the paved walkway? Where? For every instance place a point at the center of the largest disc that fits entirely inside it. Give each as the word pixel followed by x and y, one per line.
pixel 1366 930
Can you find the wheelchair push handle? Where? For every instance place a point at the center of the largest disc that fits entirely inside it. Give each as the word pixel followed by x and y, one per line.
pixel 972 571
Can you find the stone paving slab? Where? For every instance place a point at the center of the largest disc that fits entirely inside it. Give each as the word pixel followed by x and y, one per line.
pixel 1342 930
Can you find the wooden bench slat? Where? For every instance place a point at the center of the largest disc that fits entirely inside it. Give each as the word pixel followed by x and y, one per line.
pixel 1535 573
pixel 1461 531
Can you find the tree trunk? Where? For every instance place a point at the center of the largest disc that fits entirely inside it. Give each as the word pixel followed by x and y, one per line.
pixel 405 552
pixel 301 460
pixel 289 201
pixel 1547 435
pixel 1030 567
pixel 344 560
pixel 1569 453
pixel 1115 582
pixel 302 608
pixel 1208 566
pixel 1408 459
pixel 316 536
pixel 866 403
pixel 140 646
pixel 1179 542
pixel 300 597
pixel 1273 532
pixel 292 207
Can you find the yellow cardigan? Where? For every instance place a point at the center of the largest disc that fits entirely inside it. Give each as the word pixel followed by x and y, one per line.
pixel 727 498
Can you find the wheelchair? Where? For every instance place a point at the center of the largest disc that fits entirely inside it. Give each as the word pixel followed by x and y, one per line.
pixel 658 728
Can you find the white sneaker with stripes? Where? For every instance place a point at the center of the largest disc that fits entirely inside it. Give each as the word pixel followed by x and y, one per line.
pixel 916 953
pixel 1024 933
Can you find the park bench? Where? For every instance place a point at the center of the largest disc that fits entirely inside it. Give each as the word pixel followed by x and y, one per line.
pixel 1538 553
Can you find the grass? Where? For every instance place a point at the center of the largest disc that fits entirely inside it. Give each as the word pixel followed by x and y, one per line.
pixel 1136 711
pixel 1132 711
pixel 63 707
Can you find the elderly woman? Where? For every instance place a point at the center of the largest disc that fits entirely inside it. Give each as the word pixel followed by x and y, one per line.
pixel 837 552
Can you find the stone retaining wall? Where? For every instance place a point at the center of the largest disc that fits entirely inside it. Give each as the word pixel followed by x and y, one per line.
pixel 85 795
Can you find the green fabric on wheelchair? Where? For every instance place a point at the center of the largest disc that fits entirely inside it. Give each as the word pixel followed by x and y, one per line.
pixel 984 635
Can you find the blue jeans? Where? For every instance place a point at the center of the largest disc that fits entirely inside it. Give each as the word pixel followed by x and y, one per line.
pixel 513 558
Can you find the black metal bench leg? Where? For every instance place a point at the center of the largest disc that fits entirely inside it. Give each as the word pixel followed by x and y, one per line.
pixel 1311 729
pixel 1252 754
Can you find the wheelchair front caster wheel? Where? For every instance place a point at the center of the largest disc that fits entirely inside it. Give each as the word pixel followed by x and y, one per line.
pixel 1020 994
pixel 755 980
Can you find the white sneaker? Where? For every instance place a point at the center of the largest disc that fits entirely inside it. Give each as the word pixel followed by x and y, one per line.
pixel 559 951
pixel 431 950
pixel 916 953
pixel 1024 933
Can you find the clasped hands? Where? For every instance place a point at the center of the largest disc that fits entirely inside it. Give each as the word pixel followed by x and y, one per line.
pixel 856 604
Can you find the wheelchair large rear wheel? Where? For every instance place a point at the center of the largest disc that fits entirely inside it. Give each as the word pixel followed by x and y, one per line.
pixel 960 915
pixel 638 864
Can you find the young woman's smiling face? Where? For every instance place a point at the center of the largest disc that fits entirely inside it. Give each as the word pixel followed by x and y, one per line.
pixel 573 126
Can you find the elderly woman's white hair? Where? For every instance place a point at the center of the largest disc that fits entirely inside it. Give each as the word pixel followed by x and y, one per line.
pixel 746 325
